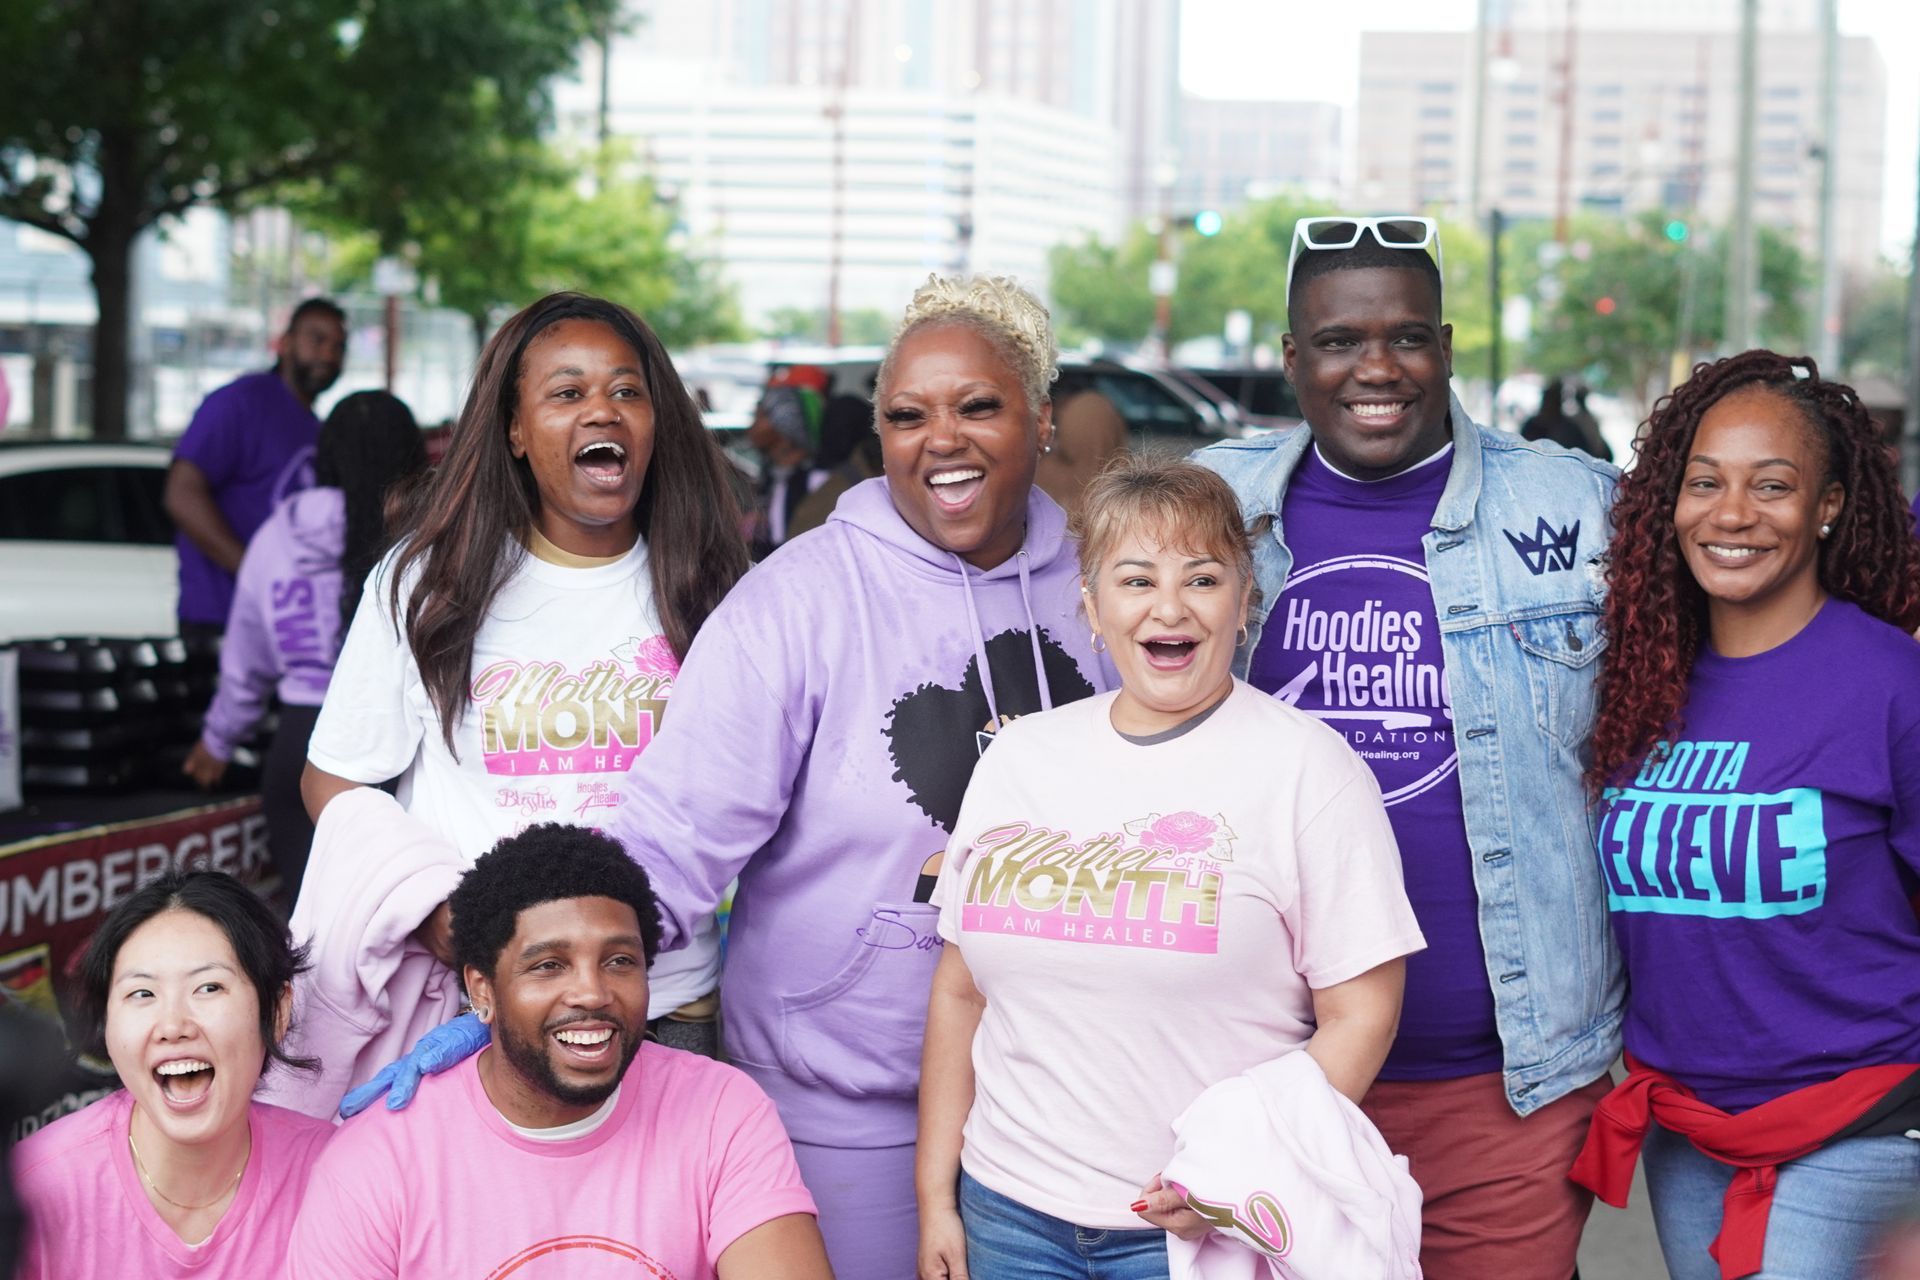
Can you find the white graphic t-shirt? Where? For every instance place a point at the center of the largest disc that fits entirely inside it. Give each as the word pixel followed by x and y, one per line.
pixel 1145 920
pixel 570 678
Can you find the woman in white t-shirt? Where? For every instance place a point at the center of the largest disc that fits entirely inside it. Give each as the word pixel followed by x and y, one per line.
pixel 1147 892
pixel 513 657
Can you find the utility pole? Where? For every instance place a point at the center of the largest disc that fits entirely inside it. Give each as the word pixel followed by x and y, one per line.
pixel 837 114
pixel 1826 313
pixel 1477 150
pixel 1496 222
pixel 1562 199
pixel 1742 264
pixel 1910 432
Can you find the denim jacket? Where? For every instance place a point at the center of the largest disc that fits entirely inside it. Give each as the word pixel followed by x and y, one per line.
pixel 1516 558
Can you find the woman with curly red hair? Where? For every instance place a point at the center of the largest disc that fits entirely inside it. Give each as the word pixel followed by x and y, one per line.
pixel 1757 764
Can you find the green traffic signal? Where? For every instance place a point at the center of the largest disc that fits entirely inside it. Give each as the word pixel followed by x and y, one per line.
pixel 1676 231
pixel 1208 222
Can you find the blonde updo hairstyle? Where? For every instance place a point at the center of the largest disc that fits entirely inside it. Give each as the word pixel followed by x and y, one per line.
pixel 1005 314
pixel 1170 501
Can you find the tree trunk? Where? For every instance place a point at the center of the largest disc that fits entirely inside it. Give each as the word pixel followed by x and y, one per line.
pixel 110 236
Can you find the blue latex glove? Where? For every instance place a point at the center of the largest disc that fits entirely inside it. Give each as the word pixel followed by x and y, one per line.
pixel 432 1053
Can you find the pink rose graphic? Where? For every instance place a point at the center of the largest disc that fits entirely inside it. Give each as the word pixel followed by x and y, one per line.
pixel 654 656
pixel 1181 832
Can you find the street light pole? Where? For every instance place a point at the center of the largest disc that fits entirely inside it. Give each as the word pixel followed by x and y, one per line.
pixel 1742 273
pixel 1826 318
pixel 1910 450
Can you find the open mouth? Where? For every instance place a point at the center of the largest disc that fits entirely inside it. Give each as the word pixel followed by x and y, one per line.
pixel 588 1045
pixel 184 1082
pixel 955 490
pixel 604 463
pixel 1169 654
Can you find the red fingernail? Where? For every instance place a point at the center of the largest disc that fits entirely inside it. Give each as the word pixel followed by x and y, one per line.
pixel 1138 1206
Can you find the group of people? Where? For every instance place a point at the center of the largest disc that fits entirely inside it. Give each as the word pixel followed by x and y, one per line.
pixel 1455 760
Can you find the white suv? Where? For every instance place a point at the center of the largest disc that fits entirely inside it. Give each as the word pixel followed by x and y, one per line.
pixel 86 548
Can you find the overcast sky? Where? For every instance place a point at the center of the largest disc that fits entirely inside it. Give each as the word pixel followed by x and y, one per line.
pixel 1240 49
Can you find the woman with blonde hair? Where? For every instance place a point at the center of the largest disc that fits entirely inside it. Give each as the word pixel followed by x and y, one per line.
pixel 1146 893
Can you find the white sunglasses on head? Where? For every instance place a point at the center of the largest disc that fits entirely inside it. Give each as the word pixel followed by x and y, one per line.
pixel 1396 232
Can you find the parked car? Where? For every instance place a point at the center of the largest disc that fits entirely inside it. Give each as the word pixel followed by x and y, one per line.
pixel 86 548
pixel 1264 396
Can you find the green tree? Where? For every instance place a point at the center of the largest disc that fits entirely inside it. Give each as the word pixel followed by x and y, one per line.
pixel 862 327
pixel 1625 298
pixel 1873 339
pixel 117 114
pixel 1100 290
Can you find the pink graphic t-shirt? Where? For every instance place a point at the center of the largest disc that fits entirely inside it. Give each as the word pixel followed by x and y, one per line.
pixel 1145 920
pixel 692 1158
pixel 89 1217
pixel 570 679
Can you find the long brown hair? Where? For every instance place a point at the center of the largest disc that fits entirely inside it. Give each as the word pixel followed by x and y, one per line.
pixel 482 502
pixel 1655 610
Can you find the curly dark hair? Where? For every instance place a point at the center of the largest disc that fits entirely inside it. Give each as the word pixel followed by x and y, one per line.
pixel 261 943
pixel 1656 611
pixel 547 862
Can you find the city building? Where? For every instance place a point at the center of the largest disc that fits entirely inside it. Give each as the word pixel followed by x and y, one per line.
pixel 1645 119
pixel 935 136
pixel 1232 152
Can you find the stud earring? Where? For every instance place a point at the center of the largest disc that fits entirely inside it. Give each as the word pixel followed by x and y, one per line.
pixel 1825 529
pixel 484 1014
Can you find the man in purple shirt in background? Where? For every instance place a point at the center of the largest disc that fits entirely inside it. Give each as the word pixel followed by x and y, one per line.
pixel 250 444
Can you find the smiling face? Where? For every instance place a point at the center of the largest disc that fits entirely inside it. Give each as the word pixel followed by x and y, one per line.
pixel 312 352
pixel 1170 617
pixel 959 443
pixel 1752 500
pixel 568 1003
pixel 1369 360
pixel 183 1028
pixel 584 423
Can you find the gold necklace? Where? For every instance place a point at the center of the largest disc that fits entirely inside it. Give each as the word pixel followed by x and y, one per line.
pixel 155 1187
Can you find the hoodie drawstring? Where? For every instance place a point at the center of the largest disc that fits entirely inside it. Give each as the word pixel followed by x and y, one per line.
pixel 1033 634
pixel 980 644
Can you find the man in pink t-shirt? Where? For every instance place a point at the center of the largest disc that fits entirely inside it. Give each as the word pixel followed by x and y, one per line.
pixel 566 1146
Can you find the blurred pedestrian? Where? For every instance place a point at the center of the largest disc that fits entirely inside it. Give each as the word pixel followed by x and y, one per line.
pixel 512 660
pixel 849 454
pixel 786 431
pixel 299 584
pixel 250 444
pixel 1574 428
pixel 1087 433
pixel 1757 764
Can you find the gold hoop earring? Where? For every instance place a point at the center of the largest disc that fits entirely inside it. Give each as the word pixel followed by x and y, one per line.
pixel 1244 636
pixel 1098 643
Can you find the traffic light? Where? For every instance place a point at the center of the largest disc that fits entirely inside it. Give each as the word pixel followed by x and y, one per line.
pixel 1604 306
pixel 1208 222
pixel 1676 230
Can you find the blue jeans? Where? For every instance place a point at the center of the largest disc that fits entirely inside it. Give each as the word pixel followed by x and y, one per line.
pixel 1828 1207
pixel 1008 1241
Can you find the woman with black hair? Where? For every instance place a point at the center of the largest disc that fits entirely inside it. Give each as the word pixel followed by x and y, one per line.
pixel 514 655
pixel 298 587
pixel 187 988
pixel 1757 764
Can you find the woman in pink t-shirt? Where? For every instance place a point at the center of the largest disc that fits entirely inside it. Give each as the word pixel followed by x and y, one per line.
pixel 187 987
pixel 1147 892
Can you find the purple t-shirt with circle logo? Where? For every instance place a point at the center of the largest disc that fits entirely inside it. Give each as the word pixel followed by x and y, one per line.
pixel 254 443
pixel 1761 868
pixel 1354 640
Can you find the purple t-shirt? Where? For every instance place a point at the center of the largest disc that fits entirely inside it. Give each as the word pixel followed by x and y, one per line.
pixel 1760 872
pixel 1354 640
pixel 253 440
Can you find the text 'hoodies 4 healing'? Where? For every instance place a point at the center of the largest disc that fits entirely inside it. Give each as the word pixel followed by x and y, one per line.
pixel 821 735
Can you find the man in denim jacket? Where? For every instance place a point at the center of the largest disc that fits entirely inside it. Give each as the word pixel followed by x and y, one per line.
pixel 1431 589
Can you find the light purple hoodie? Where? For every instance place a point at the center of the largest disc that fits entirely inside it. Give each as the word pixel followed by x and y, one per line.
pixel 822 732
pixel 284 627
